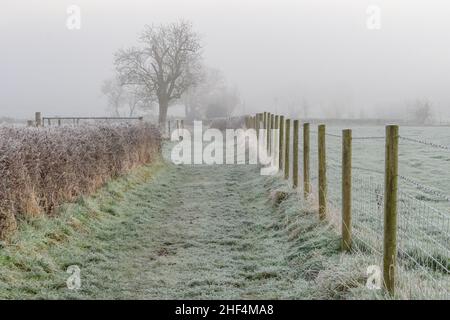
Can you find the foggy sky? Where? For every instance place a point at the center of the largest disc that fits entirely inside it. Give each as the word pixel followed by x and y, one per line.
pixel 279 53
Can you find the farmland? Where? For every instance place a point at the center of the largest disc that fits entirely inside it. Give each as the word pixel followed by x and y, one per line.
pixel 156 230
pixel 185 232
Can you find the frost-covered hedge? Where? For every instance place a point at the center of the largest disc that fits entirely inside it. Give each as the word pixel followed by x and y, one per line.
pixel 41 168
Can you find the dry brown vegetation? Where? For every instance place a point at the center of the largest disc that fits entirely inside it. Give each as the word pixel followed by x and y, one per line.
pixel 40 168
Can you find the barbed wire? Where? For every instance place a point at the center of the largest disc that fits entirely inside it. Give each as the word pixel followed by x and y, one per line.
pixel 368 170
pixel 423 241
pixel 427 143
pixel 424 142
pixel 425 189
pixel 353 138
pixel 333 135
pixel 368 138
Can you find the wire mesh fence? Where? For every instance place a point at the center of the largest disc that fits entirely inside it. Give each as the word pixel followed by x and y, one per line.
pixel 423 222
pixel 423 216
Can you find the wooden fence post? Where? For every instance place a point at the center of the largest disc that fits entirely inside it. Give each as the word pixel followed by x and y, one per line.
pixel 272 126
pixel 264 120
pixel 306 148
pixel 59 122
pixel 276 139
pixel 257 125
pixel 281 144
pixel 390 209
pixel 347 190
pixel 322 173
pixel 168 126
pixel 295 155
pixel 287 150
pixel 268 131
pixel 38 119
pixel 182 124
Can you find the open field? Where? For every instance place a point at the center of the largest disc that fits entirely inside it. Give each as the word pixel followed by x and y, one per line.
pixel 215 231
pixel 423 203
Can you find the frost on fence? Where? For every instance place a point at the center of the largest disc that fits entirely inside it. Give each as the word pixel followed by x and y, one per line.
pixel 314 162
pixel 423 239
pixel 368 205
pixel 423 215
pixel 423 234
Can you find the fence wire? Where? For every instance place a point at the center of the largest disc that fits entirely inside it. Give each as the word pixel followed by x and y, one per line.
pixel 423 217
pixel 423 241
pixel 423 235
pixel 426 143
pixel 367 195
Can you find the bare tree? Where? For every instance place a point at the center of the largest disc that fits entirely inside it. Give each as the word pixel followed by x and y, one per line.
pixel 421 111
pixel 115 95
pixel 223 103
pixel 166 65
pixel 125 100
pixel 197 98
pixel 137 98
pixel 212 97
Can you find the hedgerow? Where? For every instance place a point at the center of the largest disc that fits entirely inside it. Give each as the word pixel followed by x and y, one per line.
pixel 41 168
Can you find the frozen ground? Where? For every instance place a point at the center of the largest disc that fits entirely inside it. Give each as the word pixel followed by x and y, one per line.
pixel 421 163
pixel 191 232
pixel 423 204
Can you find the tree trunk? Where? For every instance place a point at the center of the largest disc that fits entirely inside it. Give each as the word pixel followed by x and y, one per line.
pixel 186 110
pixel 163 106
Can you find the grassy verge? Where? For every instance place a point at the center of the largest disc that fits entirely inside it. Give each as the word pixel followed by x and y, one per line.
pixel 321 270
pixel 184 232
pixel 86 233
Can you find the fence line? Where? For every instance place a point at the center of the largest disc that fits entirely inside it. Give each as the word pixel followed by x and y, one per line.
pixel 416 243
pixel 40 121
pixel 427 143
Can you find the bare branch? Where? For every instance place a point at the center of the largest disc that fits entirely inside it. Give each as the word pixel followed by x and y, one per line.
pixel 166 65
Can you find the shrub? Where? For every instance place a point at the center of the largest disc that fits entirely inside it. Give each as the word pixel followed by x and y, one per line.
pixel 40 168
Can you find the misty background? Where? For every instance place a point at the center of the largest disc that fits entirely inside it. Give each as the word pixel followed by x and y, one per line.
pixel 284 55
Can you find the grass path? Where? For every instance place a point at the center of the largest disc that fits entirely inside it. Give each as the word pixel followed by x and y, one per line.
pixel 177 232
pixel 213 239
